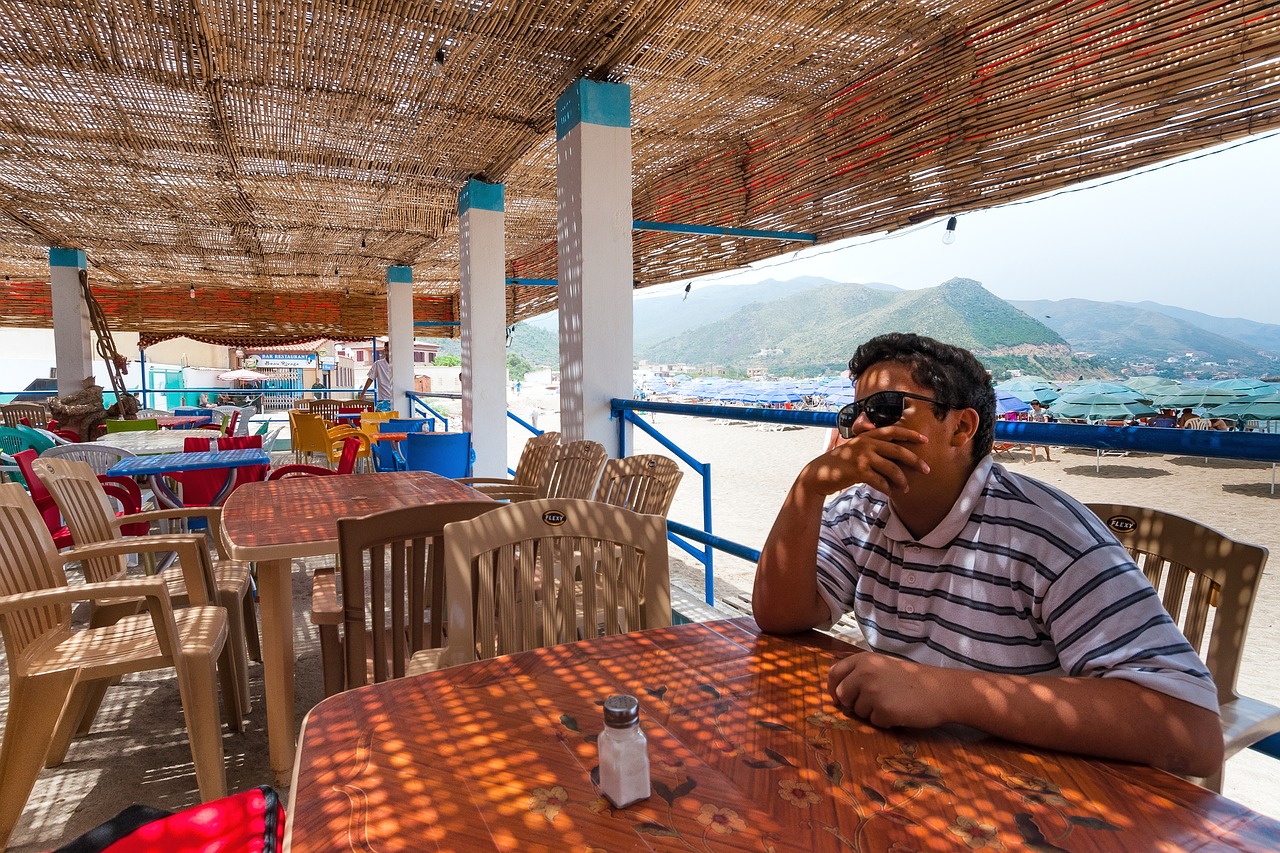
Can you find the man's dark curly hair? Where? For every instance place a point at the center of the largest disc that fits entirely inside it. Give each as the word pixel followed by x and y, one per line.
pixel 952 374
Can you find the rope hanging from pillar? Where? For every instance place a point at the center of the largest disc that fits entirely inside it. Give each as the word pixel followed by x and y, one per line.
pixel 117 365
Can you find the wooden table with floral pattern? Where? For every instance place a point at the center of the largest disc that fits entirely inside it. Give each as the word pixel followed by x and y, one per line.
pixel 747 753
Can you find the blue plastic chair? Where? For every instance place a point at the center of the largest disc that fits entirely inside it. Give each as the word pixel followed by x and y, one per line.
pixel 445 453
pixel 409 425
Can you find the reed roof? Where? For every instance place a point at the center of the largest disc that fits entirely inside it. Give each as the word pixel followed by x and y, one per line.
pixel 278 156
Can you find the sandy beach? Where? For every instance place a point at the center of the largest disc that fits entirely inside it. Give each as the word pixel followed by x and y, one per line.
pixel 138 750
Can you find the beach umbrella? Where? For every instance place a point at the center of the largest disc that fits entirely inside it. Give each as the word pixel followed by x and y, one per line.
pixel 1100 407
pixel 1146 383
pixel 1028 389
pixel 1253 387
pixel 1100 388
pixel 1006 403
pixel 1257 409
pixel 1194 396
pixel 242 374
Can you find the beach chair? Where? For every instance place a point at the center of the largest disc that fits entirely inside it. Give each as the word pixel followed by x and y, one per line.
pixel 573 470
pixel 1202 573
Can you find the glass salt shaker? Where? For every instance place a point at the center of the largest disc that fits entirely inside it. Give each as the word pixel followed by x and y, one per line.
pixel 624 752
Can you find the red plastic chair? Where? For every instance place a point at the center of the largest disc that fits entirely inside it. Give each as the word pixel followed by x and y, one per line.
pixel 346 464
pixel 121 489
pixel 199 488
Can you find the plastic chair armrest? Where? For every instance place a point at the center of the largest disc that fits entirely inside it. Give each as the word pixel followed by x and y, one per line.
pixel 427 660
pixel 192 550
pixel 213 514
pixel 152 588
pixel 325 607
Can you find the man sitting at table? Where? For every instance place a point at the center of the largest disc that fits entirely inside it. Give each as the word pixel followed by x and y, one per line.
pixel 993 600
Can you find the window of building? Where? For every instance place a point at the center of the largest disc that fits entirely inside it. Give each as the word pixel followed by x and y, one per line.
pixel 359 355
pixel 419 356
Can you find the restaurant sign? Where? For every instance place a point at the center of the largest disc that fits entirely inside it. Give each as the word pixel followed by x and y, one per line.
pixel 285 359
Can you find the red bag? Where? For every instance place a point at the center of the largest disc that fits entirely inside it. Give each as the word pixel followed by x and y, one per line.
pixel 249 822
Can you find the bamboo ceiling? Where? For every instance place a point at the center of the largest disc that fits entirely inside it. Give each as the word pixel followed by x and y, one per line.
pixel 252 149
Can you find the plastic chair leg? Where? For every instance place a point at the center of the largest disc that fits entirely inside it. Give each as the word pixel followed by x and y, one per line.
pixel 199 708
pixel 27 737
pixel 231 601
pixel 251 625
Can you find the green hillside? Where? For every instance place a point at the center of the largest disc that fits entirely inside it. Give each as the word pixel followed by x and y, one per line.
pixel 818 330
pixel 1125 335
pixel 539 347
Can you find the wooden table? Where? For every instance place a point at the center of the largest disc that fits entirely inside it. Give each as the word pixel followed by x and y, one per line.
pixel 747 753
pixel 146 442
pixel 274 522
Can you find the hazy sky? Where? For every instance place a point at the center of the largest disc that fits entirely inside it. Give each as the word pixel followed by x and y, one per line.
pixel 1201 233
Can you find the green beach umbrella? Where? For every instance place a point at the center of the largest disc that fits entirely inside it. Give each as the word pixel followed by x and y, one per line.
pixel 1195 396
pixel 1100 407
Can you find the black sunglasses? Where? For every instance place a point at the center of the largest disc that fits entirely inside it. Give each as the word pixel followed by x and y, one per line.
pixel 882 409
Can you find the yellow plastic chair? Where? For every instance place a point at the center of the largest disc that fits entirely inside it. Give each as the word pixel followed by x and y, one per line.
pixel 1199 571
pixel 645 483
pixel 500 602
pixel 54 669
pixel 310 436
pixel 120 425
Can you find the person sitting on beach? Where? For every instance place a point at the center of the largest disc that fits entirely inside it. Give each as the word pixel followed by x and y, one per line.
pixel 1186 415
pixel 1166 418
pixel 989 599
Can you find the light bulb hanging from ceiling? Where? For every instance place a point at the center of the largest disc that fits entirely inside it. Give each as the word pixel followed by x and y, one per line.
pixel 949 236
pixel 437 64
pixel 192 292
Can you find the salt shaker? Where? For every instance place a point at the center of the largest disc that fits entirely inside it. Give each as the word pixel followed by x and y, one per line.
pixel 624 752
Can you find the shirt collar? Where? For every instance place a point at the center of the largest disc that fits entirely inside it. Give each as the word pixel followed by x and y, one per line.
pixel 949 528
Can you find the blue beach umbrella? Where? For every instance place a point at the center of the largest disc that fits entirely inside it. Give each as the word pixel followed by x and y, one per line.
pixel 1006 403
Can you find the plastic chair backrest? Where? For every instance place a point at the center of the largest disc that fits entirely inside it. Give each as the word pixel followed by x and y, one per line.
pixel 98 455
pixel 351 446
pixel 34 414
pixel 19 438
pixel 573 470
pixel 446 453
pixel 1222 574
pixel 120 425
pixel 404 553
pixel 326 408
pixel 27 564
pixel 534 458
pixel 409 425
pixel 199 488
pixel 645 483
pixel 515 578
pixel 308 433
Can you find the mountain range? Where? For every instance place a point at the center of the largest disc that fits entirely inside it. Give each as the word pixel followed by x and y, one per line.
pixel 809 325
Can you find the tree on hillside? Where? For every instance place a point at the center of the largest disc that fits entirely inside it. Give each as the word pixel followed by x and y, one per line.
pixel 517 366
pixel 447 361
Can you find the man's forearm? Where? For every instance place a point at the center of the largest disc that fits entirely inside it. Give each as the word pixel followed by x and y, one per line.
pixel 1104 717
pixel 785 595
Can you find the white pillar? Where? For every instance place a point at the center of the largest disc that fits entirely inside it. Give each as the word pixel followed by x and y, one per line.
pixel 72 350
pixel 482 250
pixel 400 335
pixel 593 199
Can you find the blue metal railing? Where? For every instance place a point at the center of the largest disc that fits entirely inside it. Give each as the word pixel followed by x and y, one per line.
pixel 418 407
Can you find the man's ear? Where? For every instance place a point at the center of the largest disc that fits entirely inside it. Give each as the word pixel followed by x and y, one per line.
pixel 966 427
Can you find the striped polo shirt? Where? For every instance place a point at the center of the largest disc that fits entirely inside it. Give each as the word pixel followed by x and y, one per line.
pixel 1019 578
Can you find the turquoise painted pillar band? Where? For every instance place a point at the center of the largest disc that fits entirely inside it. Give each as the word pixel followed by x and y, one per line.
pixel 399 275
pixel 479 195
pixel 607 104
pixel 67 258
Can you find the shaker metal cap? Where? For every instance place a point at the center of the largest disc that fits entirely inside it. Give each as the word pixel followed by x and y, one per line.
pixel 621 711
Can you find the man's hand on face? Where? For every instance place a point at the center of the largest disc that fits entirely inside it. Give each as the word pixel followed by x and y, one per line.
pixel 879 457
pixel 888 691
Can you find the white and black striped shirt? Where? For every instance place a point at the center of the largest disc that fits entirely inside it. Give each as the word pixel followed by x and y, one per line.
pixel 1018 578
